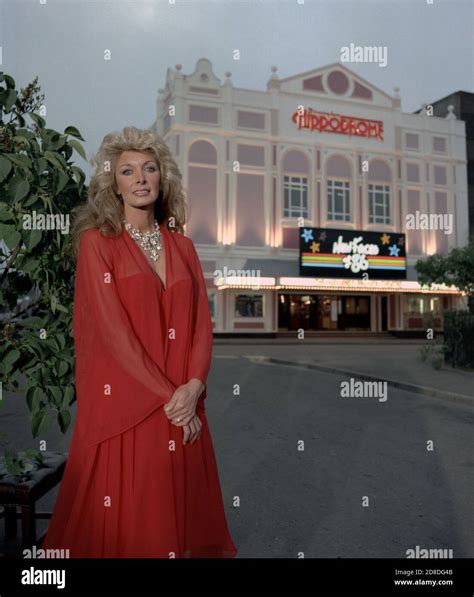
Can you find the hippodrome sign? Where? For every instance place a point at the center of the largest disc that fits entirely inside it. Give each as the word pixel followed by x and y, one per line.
pixel 337 123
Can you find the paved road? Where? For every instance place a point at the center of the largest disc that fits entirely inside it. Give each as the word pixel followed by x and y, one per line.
pixel 310 501
pixel 390 359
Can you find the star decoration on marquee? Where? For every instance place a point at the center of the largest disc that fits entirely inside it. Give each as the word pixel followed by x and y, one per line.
pixel 322 236
pixel 385 238
pixel 401 241
pixel 307 234
pixel 315 247
pixel 394 250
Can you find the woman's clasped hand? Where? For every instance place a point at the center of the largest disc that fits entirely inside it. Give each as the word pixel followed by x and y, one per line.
pixel 181 410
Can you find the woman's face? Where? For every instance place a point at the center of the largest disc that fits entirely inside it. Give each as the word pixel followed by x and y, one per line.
pixel 138 178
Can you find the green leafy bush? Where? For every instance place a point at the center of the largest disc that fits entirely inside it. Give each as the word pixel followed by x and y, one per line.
pixel 459 338
pixel 39 187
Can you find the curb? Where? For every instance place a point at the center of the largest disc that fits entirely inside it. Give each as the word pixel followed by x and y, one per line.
pixel 425 391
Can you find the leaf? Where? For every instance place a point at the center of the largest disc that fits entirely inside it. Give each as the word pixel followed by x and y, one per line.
pixel 35 237
pixel 67 397
pixel 63 179
pixel 5 216
pixel 57 142
pixel 41 165
pixel 74 132
pixel 31 201
pixel 25 133
pixel 40 422
pixel 33 322
pixel 12 96
pixel 5 167
pixel 57 395
pixel 13 466
pixel 45 375
pixel 79 176
pixel 10 359
pixel 10 81
pixel 38 120
pixel 53 159
pixel 61 368
pixel 20 160
pixel 78 147
pixel 61 340
pixel 64 420
pixel 22 190
pixel 38 457
pixel 29 265
pixel 47 203
pixel 51 341
pixel 33 399
pixel 20 139
pixel 10 235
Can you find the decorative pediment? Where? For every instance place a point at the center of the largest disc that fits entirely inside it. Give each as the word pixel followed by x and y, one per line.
pixel 203 75
pixel 336 81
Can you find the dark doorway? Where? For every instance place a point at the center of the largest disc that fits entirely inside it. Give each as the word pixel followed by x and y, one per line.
pixel 323 312
pixel 355 313
pixel 297 311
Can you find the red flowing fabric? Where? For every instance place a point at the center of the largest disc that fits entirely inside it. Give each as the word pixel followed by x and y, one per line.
pixel 131 488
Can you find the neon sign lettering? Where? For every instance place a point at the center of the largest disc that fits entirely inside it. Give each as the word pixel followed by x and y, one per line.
pixel 337 123
pixel 355 259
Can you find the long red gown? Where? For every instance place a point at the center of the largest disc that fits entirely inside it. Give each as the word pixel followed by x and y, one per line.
pixel 130 487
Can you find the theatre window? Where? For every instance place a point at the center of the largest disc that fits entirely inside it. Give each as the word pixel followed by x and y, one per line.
pixel 379 204
pixel 338 200
pixel 249 305
pixel 296 197
pixel 421 312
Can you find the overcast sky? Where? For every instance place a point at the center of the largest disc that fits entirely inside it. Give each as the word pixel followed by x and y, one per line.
pixel 430 49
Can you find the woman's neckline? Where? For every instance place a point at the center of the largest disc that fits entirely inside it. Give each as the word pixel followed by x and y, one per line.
pixel 164 232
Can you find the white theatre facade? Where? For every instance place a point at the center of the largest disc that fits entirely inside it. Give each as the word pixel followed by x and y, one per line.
pixel 320 156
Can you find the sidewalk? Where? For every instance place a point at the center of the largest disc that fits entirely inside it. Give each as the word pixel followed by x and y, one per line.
pixel 397 361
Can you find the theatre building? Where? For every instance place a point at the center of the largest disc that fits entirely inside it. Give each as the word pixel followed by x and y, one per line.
pixel 311 202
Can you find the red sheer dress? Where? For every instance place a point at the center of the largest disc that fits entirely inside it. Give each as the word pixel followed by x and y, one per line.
pixel 131 488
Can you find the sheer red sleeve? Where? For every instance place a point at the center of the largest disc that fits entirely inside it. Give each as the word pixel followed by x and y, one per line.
pixel 201 350
pixel 118 384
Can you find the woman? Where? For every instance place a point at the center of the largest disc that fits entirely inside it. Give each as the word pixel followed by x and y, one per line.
pixel 141 478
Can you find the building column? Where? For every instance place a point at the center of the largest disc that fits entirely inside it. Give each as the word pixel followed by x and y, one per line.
pixel 374 313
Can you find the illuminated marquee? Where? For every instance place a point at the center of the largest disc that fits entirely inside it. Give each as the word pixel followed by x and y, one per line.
pixel 336 123
pixel 331 253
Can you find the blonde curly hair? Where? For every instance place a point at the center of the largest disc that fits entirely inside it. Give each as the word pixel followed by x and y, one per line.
pixel 104 209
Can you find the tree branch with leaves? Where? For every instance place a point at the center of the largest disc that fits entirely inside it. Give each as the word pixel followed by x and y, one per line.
pixel 37 178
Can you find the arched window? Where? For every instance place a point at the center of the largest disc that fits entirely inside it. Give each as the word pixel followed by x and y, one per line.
pixel 338 177
pixel 295 185
pixel 379 177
